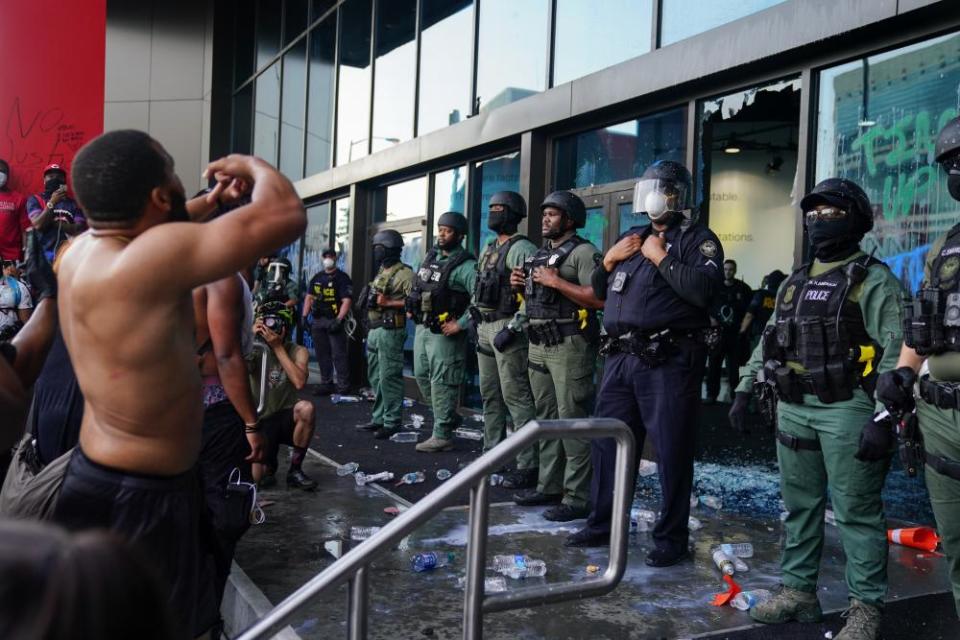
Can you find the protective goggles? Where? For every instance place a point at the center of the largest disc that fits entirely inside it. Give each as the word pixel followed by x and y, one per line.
pixel 826 214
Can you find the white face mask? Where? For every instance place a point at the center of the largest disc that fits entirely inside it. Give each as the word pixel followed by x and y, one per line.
pixel 3 180
pixel 655 205
pixel 328 263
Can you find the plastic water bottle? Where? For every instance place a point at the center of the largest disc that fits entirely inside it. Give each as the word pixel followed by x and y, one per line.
pixel 430 560
pixel 362 533
pixel 723 562
pixel 362 478
pixel 347 469
pixel 640 519
pixel 468 434
pixel 443 474
pixel 739 565
pixel 339 399
pixel 490 585
pixel 519 566
pixel 746 600
pixel 738 549
pixel 408 402
pixel 405 436
pixel 414 477
pixel 496 479
pixel 694 524
pixel 416 421
pixel 647 468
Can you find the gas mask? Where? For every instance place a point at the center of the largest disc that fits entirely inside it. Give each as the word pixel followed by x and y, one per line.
pixel 328 263
pixel 276 272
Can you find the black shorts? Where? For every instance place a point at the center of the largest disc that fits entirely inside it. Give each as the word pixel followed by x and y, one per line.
pixel 277 428
pixel 161 515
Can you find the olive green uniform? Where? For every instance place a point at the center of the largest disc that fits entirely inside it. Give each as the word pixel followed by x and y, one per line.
pixel 385 345
pixel 439 360
pixel 504 382
pixel 806 475
pixel 941 436
pixel 561 378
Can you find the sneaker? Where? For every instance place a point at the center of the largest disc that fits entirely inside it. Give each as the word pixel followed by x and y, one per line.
pixel 269 479
pixel 666 557
pixel 788 604
pixel 297 479
pixel 533 498
pixel 383 433
pixel 433 444
pixel 566 513
pixel 370 426
pixel 863 622
pixel 520 479
pixel 587 537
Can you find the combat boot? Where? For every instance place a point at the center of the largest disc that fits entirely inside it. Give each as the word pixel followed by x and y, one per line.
pixel 863 622
pixel 788 604
pixel 433 444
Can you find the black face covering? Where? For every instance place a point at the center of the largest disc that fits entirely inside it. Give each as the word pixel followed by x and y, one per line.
pixel 832 239
pixel 953 185
pixel 52 184
pixel 178 207
pixel 501 222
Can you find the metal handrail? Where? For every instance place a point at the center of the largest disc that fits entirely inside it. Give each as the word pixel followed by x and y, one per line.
pixel 259 345
pixel 354 566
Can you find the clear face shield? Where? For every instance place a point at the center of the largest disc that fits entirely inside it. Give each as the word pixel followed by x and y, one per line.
pixel 276 272
pixel 658 198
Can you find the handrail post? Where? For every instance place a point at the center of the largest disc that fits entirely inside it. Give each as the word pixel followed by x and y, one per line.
pixel 357 595
pixel 476 561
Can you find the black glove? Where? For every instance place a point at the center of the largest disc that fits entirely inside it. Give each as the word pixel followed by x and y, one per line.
pixel 37 270
pixel 876 439
pixel 336 326
pixel 738 412
pixel 504 339
pixel 895 389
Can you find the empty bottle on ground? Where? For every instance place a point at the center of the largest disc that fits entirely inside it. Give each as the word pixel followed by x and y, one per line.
pixel 430 560
pixel 519 566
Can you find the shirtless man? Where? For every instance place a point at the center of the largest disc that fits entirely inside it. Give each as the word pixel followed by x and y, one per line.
pixel 127 319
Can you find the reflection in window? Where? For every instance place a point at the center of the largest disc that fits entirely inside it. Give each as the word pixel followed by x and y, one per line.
pixel 341 229
pixel 578 51
pixel 353 95
pixel 493 175
pixel 412 255
pixel 406 200
pixel 619 152
pixel 395 70
pixel 268 31
pixel 315 240
pixel 323 42
pixel 266 120
pixel 878 122
pixel 445 71
pixel 748 161
pixel 449 194
pixel 294 105
pixel 596 228
pixel 512 57
pixel 681 19
pixel 294 19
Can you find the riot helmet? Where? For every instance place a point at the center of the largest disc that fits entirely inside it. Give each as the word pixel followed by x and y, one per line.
pixel 278 270
pixel 387 245
pixel 947 153
pixel 837 214
pixel 663 189
pixel 455 221
pixel 514 210
pixel 570 204
pixel 772 281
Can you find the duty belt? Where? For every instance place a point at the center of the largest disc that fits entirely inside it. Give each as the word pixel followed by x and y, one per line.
pixel 796 443
pixel 945 395
pixel 492 316
pixel 653 347
pixel 551 332
pixel 398 322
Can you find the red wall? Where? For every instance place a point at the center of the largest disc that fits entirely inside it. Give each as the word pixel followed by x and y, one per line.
pixel 51 86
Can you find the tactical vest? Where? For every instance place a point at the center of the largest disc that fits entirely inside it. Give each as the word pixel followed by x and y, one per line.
pixel 432 297
pixel 818 327
pixel 492 289
pixel 325 301
pixel 545 302
pixel 377 317
pixel 931 322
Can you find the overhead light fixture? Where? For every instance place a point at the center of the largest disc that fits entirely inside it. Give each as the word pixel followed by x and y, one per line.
pixel 732 146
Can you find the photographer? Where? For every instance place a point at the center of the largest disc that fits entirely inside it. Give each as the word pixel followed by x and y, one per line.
pixel 54 213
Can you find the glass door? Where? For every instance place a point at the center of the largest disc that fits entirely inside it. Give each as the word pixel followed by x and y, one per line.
pixel 609 213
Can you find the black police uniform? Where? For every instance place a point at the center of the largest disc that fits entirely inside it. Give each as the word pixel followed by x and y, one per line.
pixel 729 307
pixel 656 317
pixel 329 338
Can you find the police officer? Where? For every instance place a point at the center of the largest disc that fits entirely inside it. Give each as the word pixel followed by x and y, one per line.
pixel 501 344
pixel 386 322
pixel 658 282
pixel 726 312
pixel 329 296
pixel 439 302
pixel 931 334
pixel 563 332
pixel 836 322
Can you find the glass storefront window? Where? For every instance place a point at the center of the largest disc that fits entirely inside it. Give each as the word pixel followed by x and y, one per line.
pixel 621 151
pixel 268 31
pixel 315 240
pixel 294 19
pixel 294 106
pixel 877 124
pixel 242 120
pixel 320 7
pixel 681 19
pixel 449 194
pixel 393 85
pixel 747 164
pixel 322 81
pixel 496 174
pixel 445 72
pixel 594 35
pixel 266 119
pixel 596 228
pixel 341 229
pixel 244 40
pixel 512 54
pixel 353 95
pixel 405 200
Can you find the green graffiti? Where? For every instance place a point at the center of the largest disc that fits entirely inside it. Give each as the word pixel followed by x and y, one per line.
pixel 898 202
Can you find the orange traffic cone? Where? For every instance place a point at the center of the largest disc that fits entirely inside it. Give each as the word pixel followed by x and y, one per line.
pixel 917 537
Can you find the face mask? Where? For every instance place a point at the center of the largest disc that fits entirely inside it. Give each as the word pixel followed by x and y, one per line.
pixel 379 254
pixel 3 180
pixel 178 207
pixel 276 272
pixel 328 263
pixel 52 183
pixel 953 185
pixel 831 239
pixel 655 204
pixel 499 221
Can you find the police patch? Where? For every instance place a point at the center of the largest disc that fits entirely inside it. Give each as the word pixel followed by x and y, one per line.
pixel 788 294
pixel 708 248
pixel 949 268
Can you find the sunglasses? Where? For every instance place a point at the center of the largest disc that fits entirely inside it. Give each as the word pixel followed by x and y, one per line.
pixel 826 214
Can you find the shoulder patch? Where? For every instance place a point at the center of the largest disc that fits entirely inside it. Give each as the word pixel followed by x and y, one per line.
pixel 788 294
pixel 708 248
pixel 949 267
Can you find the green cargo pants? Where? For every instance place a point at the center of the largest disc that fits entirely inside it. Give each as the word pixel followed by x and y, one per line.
pixel 561 378
pixel 385 371
pixel 854 488
pixel 505 386
pixel 941 436
pixel 444 360
pixel 421 367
